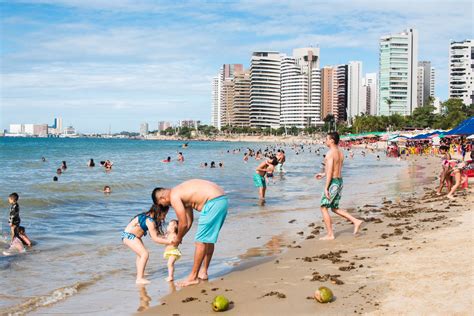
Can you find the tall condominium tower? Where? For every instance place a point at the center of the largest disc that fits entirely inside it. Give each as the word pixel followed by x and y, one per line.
pixel 370 89
pixel 426 82
pixel 329 92
pixel 216 100
pixel 342 81
pixel 265 89
pixel 241 106
pixel 356 104
pixel 398 73
pixel 222 95
pixel 461 71
pixel 300 88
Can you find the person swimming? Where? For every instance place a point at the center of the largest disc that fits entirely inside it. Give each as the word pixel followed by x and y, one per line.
pixel 91 163
pixel 213 164
pixel 55 178
pixel 107 190
pixel 59 171
pixel 64 165
pixel 167 160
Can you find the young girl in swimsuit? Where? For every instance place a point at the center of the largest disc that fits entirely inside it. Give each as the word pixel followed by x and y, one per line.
pixel 444 176
pixel 138 227
pixel 171 253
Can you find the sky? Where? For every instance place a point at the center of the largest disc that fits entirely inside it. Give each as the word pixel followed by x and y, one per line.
pixel 118 63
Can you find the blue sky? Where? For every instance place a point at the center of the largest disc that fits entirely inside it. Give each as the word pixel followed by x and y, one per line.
pixel 122 62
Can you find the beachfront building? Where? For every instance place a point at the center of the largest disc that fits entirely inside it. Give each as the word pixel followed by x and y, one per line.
pixel 241 102
pixel 329 91
pixel 300 88
pixel 215 110
pixel 398 63
pixel 356 98
pixel 342 87
pixel 425 83
pixel 189 124
pixel 227 101
pixel 370 90
pixel 143 129
pixel 17 129
pixel 163 125
pixel 461 71
pixel 265 89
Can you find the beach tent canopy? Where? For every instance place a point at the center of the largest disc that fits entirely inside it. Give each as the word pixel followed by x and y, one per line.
pixel 427 135
pixel 466 127
pixel 471 137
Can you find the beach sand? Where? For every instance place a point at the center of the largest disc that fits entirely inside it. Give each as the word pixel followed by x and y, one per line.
pixel 413 256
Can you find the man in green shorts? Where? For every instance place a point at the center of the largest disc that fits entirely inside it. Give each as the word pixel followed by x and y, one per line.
pixel 210 200
pixel 333 187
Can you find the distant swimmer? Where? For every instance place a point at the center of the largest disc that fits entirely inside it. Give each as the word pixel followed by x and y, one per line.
pixel 107 190
pixel 210 200
pixel 151 221
pixel 64 165
pixel 333 187
pixel 221 165
pixel 259 176
pixel 59 171
pixel 167 160
pixel 378 157
pixel 246 157
pixel 180 157
pixel 185 145
pixel 213 164
pixel 43 159
pixel 281 157
pixel 108 165
pixel 55 179
pixel 91 163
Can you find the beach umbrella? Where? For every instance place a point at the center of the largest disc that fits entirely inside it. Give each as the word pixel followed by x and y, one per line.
pixel 466 127
pixel 470 137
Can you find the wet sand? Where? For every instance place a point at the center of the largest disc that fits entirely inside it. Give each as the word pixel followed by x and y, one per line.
pixel 413 256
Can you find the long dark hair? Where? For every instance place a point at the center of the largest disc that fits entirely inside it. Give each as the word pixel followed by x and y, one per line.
pixel 158 210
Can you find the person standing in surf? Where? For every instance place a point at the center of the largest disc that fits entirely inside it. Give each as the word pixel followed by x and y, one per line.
pixel 333 186
pixel 210 200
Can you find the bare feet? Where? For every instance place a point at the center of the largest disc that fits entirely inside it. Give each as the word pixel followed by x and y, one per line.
pixel 203 276
pixel 357 226
pixel 188 283
pixel 450 196
pixel 327 237
pixel 169 279
pixel 142 281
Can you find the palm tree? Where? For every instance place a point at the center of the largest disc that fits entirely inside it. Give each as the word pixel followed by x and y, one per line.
pixel 389 103
pixel 330 120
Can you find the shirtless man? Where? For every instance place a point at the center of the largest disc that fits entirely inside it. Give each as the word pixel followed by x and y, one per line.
pixel 281 160
pixel 333 187
pixel 205 197
pixel 259 176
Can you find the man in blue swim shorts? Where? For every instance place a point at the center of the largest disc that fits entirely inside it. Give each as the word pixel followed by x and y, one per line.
pixel 210 200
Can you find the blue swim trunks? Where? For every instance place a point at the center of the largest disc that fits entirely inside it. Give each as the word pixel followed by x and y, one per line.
pixel 211 220
pixel 259 181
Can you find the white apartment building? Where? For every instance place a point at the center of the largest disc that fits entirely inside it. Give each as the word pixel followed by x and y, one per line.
pixel 143 129
pixel 461 71
pixel 301 88
pixel 398 73
pixel 17 129
pixel 356 99
pixel 370 89
pixel 265 89
pixel 425 82
pixel 216 99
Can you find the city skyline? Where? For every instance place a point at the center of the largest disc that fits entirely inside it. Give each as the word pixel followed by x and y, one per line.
pixel 100 64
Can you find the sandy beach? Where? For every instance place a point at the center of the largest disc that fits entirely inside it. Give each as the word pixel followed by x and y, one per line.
pixel 413 256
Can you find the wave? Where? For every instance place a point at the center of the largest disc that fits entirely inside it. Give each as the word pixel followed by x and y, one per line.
pixel 49 299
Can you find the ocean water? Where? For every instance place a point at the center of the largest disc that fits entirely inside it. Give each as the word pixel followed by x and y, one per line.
pixel 79 265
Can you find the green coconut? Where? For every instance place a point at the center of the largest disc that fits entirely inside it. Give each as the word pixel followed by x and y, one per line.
pixel 323 295
pixel 220 304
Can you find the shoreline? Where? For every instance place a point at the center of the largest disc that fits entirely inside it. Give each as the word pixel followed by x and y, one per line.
pixel 368 274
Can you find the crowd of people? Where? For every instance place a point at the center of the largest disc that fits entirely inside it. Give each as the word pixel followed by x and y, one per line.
pixel 211 201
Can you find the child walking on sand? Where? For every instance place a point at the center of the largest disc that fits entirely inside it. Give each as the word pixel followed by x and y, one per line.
pixel 138 227
pixel 172 253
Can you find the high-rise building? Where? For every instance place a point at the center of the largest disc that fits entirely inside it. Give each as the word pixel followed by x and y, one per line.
pixel 17 129
pixel 144 129
pixel 241 106
pixel 370 89
pixel 356 98
pixel 265 89
pixel 461 71
pixel 58 122
pixel 398 73
pixel 222 102
pixel 426 82
pixel 189 123
pixel 216 97
pixel 329 91
pixel 163 125
pixel 300 88
pixel 341 77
